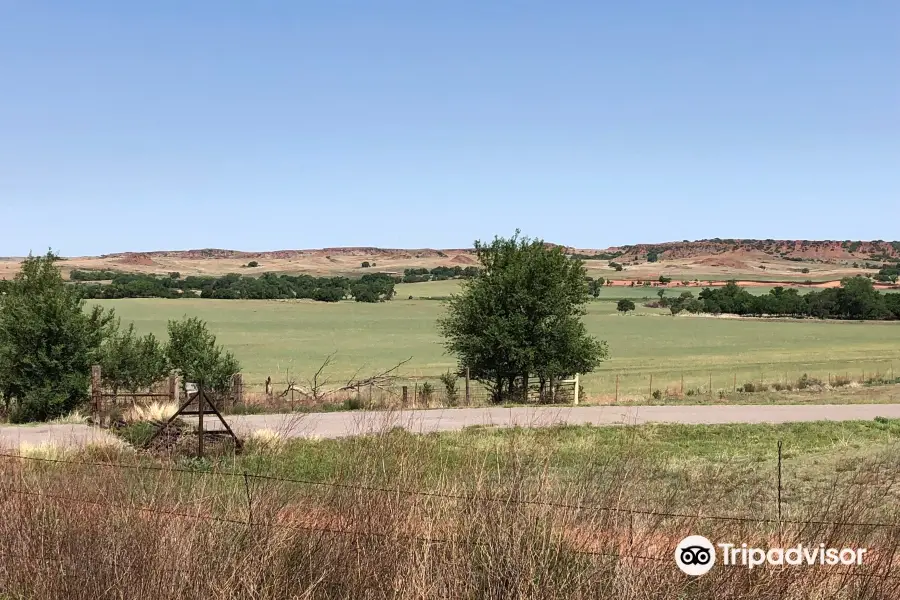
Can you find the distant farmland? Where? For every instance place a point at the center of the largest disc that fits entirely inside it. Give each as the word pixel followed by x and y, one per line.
pixel 272 337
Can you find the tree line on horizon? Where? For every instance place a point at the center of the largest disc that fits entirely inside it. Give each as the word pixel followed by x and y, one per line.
pixel 855 299
pixel 371 287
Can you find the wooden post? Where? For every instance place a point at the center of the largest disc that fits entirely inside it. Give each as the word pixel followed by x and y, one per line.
pixel 468 398
pixel 237 389
pixel 617 388
pixel 96 396
pixel 734 384
pixel 405 395
pixel 710 384
pixel 682 384
pixel 576 389
pixel 415 393
pixel 173 389
pixel 651 385
pixel 371 385
pixel 201 397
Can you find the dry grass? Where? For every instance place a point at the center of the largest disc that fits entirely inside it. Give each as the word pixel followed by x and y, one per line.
pixel 153 411
pixel 509 528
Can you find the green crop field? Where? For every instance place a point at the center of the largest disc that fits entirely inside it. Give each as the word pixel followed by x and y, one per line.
pixel 272 337
pixel 442 289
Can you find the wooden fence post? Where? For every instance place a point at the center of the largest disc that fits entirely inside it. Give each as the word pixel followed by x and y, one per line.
pixel 468 399
pixel 405 395
pixel 173 389
pixel 617 388
pixel 237 387
pixel 96 396
pixel 201 397
pixel 651 385
pixel 416 393
pixel 576 389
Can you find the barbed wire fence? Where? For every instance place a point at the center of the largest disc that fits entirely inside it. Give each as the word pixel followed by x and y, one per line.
pixel 885 568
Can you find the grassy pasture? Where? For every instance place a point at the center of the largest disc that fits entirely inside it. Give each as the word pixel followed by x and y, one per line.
pixel 271 337
pixel 442 289
pixel 558 513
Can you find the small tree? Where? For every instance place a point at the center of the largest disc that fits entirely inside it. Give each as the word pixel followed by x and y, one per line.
pixel 624 305
pixel 652 256
pixel 48 342
pixel 193 353
pixel 449 379
pixel 131 362
pixel 365 264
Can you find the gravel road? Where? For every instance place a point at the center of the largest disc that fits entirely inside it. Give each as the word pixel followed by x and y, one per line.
pixel 341 424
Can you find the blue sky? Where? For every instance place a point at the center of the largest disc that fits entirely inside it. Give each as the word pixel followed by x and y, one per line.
pixel 271 125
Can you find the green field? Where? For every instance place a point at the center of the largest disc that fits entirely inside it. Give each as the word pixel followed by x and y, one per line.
pixel 442 289
pixel 272 337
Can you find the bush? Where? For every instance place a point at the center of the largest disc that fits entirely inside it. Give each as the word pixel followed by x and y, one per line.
pixel 365 264
pixel 252 264
pixel 840 381
pixel 450 380
pixel 193 353
pixel 131 362
pixel 751 387
pixel 806 381
pixel 426 392
pixel 354 403
pixel 624 305
pixel 656 394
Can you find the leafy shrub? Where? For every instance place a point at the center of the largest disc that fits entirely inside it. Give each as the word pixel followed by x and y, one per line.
pixel 354 403
pixel 193 353
pixel 656 394
pixel 751 387
pixel 806 381
pixel 131 362
pixel 450 380
pixel 365 264
pixel 252 264
pixel 840 381
pixel 426 392
pixel 624 305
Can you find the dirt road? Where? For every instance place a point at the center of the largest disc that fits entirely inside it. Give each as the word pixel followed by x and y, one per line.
pixel 340 424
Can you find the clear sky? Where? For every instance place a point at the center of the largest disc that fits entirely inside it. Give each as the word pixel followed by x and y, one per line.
pixel 178 124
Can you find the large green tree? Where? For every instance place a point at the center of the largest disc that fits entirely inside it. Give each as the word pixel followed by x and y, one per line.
pixel 520 316
pixel 48 342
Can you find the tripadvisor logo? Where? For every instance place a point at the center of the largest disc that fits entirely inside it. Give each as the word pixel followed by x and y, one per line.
pixel 695 555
